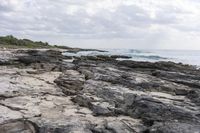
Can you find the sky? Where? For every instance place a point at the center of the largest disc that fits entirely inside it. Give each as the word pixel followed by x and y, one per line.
pixel 136 24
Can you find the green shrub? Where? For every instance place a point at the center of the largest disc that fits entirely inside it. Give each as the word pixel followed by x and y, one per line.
pixel 12 41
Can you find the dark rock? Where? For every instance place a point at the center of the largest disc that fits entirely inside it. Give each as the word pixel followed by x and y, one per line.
pixel 159 111
pixel 98 58
pixel 71 82
pixel 76 50
pixel 120 56
pixel 35 56
pixel 191 80
pixel 174 127
pixel 166 66
pixel 97 94
pixel 18 127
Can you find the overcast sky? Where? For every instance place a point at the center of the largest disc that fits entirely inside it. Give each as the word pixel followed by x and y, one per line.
pixel 141 24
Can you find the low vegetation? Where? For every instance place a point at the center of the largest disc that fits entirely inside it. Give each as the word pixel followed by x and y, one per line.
pixel 12 42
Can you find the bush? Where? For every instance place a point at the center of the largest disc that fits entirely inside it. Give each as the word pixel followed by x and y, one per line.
pixel 11 40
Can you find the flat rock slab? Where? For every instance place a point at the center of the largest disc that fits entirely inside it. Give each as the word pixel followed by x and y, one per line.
pixel 43 93
pixel 34 103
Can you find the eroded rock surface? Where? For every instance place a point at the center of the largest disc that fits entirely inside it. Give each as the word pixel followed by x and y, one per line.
pixel 42 92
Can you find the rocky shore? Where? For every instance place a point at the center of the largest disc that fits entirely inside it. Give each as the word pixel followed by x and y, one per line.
pixel 42 91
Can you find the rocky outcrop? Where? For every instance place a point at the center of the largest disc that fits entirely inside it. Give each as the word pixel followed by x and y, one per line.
pixel 71 82
pixel 41 91
pixel 146 91
pixel 120 56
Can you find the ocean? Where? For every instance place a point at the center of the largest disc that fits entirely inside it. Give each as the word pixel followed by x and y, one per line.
pixel 191 57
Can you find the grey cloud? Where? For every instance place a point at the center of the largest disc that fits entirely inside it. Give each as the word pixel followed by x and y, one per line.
pixel 49 18
pixel 4 8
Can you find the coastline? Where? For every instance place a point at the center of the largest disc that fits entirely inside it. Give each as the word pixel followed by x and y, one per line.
pixel 40 91
pixel 178 56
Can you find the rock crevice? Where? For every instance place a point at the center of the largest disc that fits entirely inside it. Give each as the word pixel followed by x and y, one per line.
pixel 42 92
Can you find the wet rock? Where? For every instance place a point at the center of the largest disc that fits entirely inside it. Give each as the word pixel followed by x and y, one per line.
pixel 120 56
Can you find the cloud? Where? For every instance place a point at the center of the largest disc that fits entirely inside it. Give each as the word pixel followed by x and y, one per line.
pixel 80 22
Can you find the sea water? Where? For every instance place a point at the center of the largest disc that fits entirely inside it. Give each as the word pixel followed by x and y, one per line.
pixel 191 57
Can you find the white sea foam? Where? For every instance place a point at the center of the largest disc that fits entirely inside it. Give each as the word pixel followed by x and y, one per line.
pixel 185 57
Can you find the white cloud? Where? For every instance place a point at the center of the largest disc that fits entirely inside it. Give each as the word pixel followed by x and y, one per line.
pixel 105 23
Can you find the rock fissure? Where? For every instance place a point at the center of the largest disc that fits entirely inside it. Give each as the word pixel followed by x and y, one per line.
pixel 41 92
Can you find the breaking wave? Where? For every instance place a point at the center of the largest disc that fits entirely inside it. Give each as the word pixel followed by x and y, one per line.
pixel 186 57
